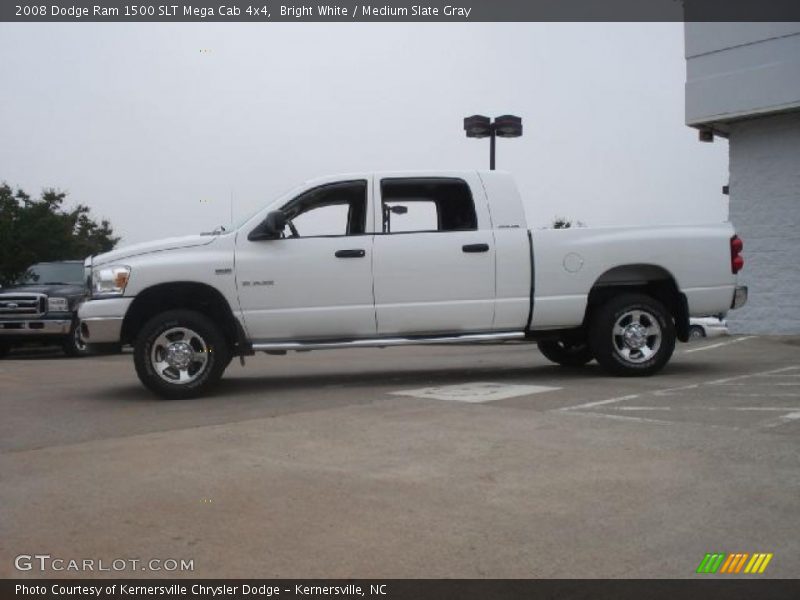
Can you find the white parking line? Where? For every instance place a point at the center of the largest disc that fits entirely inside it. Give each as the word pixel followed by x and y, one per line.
pixel 720 344
pixel 667 391
pixel 759 374
pixel 599 403
pixel 738 408
pixel 619 417
pixel 765 395
pixel 783 419
pixel 783 375
pixel 639 408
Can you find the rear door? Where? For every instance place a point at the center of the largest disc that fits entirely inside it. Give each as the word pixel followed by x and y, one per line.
pixel 433 256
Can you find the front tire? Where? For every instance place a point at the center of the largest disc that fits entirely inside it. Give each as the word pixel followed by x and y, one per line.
pixel 565 353
pixel 180 354
pixel 4 349
pixel 632 335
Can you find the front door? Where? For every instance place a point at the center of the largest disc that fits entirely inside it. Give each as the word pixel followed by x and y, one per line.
pixel 316 281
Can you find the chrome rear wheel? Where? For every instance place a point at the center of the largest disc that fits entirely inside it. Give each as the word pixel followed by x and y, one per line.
pixel 637 336
pixel 632 335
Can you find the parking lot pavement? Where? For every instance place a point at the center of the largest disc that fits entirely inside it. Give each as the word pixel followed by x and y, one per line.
pixel 408 462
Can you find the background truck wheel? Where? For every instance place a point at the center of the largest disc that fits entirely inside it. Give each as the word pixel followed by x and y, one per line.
pixel 696 332
pixel 180 354
pixel 632 335
pixel 74 345
pixel 566 353
pixel 4 349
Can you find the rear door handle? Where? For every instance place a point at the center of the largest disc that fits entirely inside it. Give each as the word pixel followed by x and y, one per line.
pixel 350 253
pixel 475 248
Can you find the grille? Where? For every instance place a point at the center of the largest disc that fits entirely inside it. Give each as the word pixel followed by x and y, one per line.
pixel 22 305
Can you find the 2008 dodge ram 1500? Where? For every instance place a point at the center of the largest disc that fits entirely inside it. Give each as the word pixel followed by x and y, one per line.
pixel 384 259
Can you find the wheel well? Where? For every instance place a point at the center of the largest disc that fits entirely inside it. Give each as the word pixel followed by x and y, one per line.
pixel 651 280
pixel 182 295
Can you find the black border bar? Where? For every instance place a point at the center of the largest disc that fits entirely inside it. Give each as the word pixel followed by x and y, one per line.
pixel 231 11
pixel 705 587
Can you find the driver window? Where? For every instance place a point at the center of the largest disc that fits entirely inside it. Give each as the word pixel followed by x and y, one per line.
pixel 330 210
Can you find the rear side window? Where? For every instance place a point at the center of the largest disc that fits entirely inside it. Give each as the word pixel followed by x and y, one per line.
pixel 427 204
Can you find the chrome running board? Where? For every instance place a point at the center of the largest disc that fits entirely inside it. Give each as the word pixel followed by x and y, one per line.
pixel 466 338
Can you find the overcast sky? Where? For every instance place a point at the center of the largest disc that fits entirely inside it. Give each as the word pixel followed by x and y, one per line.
pixel 155 126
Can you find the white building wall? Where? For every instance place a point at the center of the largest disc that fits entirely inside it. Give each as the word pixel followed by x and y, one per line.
pixel 765 209
pixel 736 70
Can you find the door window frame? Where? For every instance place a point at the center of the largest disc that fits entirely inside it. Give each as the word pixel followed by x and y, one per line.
pixel 379 204
pixel 367 203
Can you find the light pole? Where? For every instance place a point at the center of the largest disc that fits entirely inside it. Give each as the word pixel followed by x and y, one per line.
pixel 505 126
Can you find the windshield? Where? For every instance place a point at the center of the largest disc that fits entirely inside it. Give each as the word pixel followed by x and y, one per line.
pixel 45 273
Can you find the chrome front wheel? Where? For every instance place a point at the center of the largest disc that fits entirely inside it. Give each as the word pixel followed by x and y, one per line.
pixel 179 355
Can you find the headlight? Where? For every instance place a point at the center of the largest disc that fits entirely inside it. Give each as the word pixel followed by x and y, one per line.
pixel 110 281
pixel 57 305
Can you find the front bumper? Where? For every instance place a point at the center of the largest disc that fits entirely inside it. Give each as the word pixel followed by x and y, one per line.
pixel 739 297
pixel 101 320
pixel 34 327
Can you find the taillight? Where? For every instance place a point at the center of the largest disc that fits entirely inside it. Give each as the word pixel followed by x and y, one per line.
pixel 737 262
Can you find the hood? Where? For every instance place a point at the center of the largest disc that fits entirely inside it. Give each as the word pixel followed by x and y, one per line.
pixel 55 290
pixel 154 246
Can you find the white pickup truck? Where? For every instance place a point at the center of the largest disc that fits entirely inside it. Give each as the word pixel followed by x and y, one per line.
pixel 389 259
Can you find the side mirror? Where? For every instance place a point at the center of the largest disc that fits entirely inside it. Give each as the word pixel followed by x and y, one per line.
pixel 271 228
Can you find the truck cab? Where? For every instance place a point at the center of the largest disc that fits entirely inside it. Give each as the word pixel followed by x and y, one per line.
pixel 393 254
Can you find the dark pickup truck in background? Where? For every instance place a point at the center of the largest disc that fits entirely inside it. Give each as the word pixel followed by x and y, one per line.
pixel 42 308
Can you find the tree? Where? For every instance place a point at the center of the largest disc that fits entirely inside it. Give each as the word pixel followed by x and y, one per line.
pixel 564 223
pixel 38 230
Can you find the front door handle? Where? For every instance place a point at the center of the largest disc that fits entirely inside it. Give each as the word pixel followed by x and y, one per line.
pixel 475 248
pixel 350 253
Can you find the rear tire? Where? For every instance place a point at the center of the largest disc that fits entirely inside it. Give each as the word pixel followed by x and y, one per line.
pixel 632 335
pixel 696 333
pixel 4 349
pixel 180 354
pixel 73 345
pixel 565 353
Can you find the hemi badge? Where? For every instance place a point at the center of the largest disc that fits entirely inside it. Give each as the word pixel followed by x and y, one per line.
pixel 223 271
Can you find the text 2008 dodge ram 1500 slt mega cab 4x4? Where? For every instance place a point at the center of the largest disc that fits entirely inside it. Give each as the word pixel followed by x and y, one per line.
pixel 383 259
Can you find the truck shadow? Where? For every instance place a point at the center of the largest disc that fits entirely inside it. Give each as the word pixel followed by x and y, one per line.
pixel 246 387
pixel 394 378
